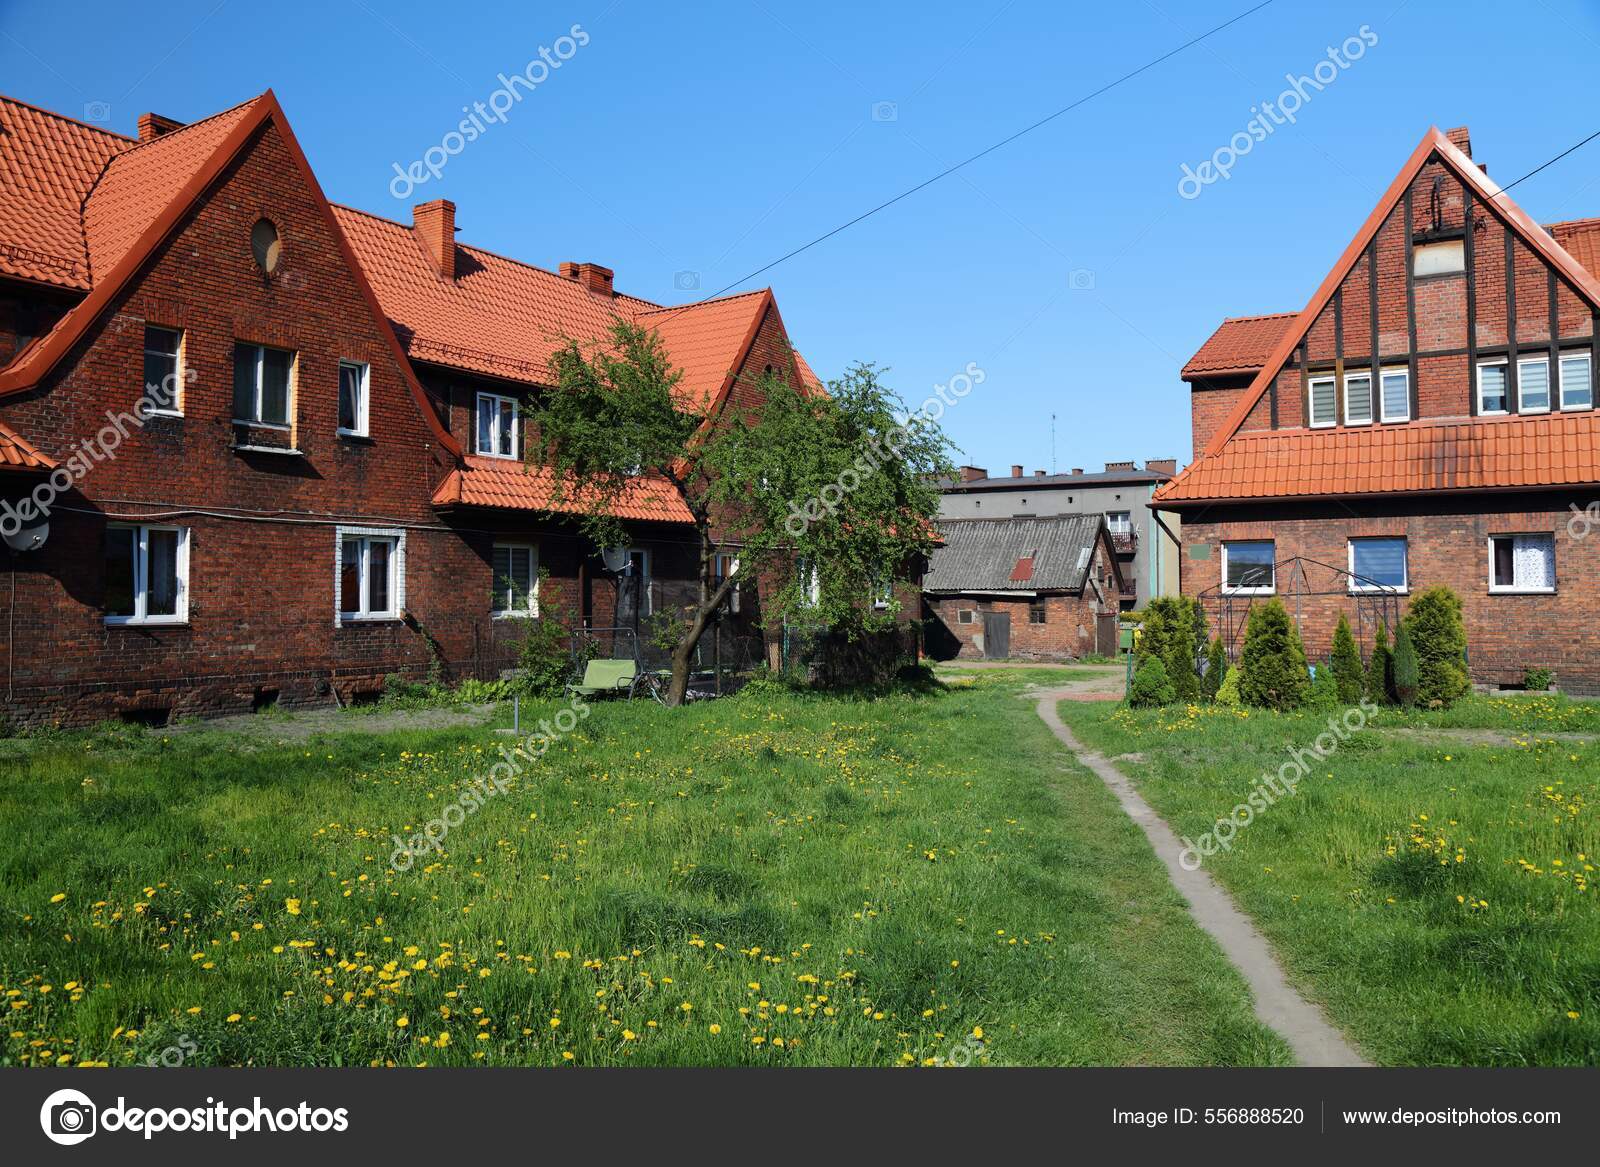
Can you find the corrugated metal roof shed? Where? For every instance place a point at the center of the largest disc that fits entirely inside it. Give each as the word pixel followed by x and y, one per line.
pixel 987 555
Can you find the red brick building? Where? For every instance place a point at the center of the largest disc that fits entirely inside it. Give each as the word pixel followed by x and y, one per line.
pixel 1427 418
pixel 333 491
pixel 1023 589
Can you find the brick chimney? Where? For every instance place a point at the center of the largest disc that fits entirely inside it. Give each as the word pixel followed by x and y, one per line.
pixel 1161 465
pixel 972 473
pixel 1016 470
pixel 1077 470
pixel 153 125
pixel 592 276
pixel 434 225
pixel 1038 473
pixel 1118 467
pixel 1460 139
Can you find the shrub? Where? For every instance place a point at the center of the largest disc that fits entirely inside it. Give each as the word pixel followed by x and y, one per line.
pixel 1439 639
pixel 1323 694
pixel 1405 668
pixel 1535 680
pixel 1151 685
pixel 1228 691
pixel 1380 669
pixel 1347 671
pixel 1201 627
pixel 1216 670
pixel 1169 634
pixel 1272 665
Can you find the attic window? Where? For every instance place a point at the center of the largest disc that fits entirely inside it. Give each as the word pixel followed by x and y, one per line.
pixel 1436 259
pixel 265 245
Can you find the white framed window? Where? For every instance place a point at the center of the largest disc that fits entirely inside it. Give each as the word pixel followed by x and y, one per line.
pixel 262 385
pixel 147 575
pixel 1358 398
pixel 1533 385
pixel 163 370
pixel 1437 259
pixel 1324 402
pixel 964 616
pixel 1248 567
pixel 497 425
pixel 369 573
pixel 722 568
pixel 1395 398
pixel 1378 563
pixel 354 393
pixel 1492 396
pixel 516 580
pixel 1522 563
pixel 1577 386
pixel 810 580
pixel 1119 522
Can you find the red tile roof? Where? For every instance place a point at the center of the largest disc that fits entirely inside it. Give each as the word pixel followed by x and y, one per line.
pixel 50 163
pixel 1241 344
pixel 1580 238
pixel 17 454
pixel 501 482
pixel 1556 449
pixel 506 318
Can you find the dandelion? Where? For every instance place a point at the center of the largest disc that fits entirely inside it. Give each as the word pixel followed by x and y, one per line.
pixel 232 1017
pixel 292 906
pixel 401 1022
pixel 714 1028
pixel 58 897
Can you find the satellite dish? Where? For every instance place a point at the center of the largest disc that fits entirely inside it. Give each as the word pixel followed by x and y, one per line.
pixel 615 558
pixel 29 536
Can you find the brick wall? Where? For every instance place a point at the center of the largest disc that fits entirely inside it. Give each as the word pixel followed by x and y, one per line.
pixel 1067 633
pixel 1446 544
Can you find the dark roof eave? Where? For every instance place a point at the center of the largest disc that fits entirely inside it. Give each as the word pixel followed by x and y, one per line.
pixel 1168 504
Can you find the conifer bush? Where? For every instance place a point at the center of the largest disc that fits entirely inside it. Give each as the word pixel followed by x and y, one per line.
pixel 1272 665
pixel 1347 671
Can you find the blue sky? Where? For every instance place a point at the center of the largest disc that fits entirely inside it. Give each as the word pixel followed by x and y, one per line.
pixel 713 138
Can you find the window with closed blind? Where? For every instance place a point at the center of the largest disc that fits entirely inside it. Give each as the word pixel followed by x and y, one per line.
pixel 1378 564
pixel 1533 385
pixel 1358 399
pixel 1396 394
pixel 1324 402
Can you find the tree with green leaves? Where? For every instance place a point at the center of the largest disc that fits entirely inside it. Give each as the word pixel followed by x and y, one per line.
pixel 823 497
pixel 1272 664
pixel 1347 671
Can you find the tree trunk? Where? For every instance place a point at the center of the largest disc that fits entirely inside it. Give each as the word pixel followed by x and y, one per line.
pixel 683 654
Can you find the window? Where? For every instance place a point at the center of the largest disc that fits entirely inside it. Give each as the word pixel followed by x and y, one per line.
pixel 722 568
pixel 1377 564
pixel 353 378
pixel 1577 390
pixel 261 384
pixel 637 573
pixel 163 370
pixel 810 580
pixel 1248 567
pixel 1533 385
pixel 497 425
pixel 1120 522
pixel 1035 611
pixel 1522 563
pixel 1396 395
pixel 882 593
pixel 964 616
pixel 516 580
pixel 371 574
pixel 1436 259
pixel 1492 388
pixel 1324 402
pixel 147 575
pixel 1358 398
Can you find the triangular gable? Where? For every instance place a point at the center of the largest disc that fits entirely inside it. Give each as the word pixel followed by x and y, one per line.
pixel 1488 193
pixel 43 356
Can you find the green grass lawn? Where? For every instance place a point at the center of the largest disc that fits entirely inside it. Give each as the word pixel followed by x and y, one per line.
pixel 1436 892
pixel 764 879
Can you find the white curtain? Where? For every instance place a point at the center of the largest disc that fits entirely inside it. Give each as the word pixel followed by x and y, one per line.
pixel 1534 561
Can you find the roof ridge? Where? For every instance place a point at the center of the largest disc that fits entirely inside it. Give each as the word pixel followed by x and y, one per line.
pixel 705 303
pixel 1257 316
pixel 65 118
pixel 544 271
pixel 170 134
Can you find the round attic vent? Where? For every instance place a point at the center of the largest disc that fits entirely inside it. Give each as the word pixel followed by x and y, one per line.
pixel 266 246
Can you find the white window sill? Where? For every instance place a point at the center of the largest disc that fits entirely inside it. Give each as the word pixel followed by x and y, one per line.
pixel 1576 408
pixel 1494 591
pixel 1324 425
pixel 263 425
pixel 490 454
pixel 367 617
pixel 285 451
pixel 1541 409
pixel 1401 590
pixel 1249 591
pixel 163 413
pixel 344 433
pixel 1396 420
pixel 533 614
pixel 1493 412
pixel 146 621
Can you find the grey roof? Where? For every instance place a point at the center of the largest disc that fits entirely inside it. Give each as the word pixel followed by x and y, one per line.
pixel 1034 481
pixel 979 555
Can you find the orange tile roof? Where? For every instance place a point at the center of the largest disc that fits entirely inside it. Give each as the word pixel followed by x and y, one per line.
pixel 1548 450
pixel 50 163
pixel 139 182
pixel 16 453
pixel 506 318
pixel 1580 238
pixel 502 482
pixel 1241 344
